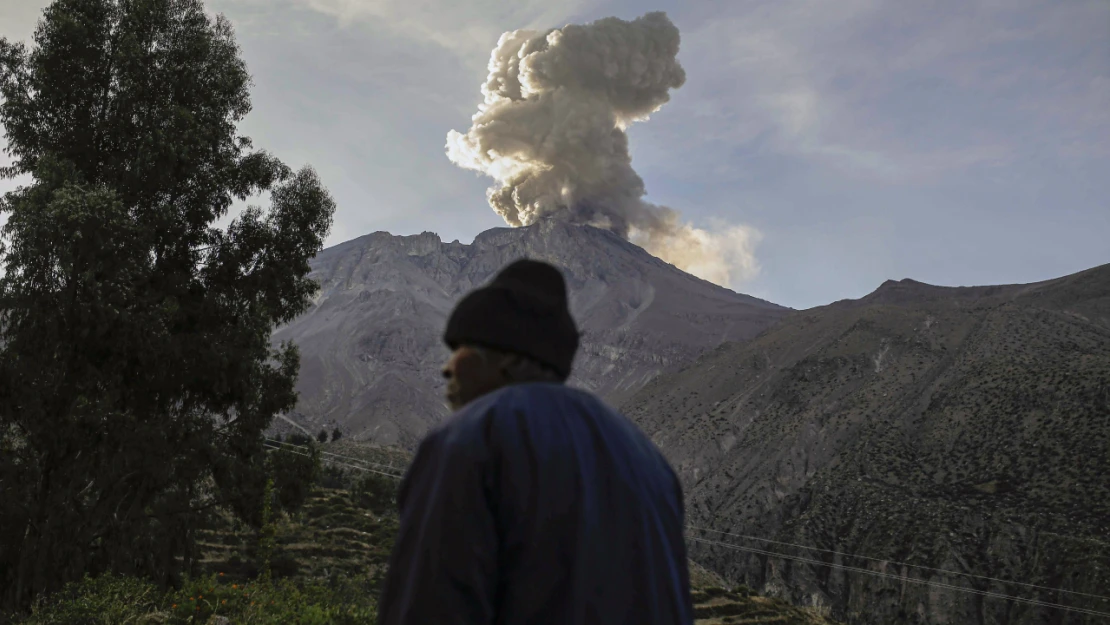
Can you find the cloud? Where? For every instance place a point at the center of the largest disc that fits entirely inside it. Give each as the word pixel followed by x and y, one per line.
pixel 467 29
pixel 906 93
pixel 724 254
pixel 808 119
pixel 551 132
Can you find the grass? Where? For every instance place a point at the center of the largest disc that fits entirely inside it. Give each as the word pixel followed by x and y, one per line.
pixel 111 599
pixel 327 566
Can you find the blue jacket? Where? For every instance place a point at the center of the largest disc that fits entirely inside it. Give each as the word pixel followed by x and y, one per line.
pixel 537 504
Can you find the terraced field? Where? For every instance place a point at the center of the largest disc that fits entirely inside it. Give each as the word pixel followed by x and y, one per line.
pixel 347 528
pixel 715 605
pixel 335 534
pixel 962 430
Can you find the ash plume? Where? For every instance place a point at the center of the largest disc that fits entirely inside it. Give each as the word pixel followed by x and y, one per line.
pixel 551 132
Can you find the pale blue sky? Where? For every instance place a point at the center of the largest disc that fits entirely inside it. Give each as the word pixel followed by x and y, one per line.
pixel 953 142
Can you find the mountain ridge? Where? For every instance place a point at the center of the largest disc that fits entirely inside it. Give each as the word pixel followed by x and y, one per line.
pixel 961 428
pixel 370 344
pixel 911 290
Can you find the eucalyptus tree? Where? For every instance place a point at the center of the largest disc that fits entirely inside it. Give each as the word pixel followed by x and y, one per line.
pixel 137 372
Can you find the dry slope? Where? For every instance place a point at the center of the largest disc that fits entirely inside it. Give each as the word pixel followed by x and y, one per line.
pixel 371 350
pixel 346 531
pixel 965 429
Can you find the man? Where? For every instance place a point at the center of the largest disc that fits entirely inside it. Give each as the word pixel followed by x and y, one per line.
pixel 534 503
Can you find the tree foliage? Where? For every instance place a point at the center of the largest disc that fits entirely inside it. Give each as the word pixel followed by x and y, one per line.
pixel 294 475
pixel 375 492
pixel 136 369
pixel 297 438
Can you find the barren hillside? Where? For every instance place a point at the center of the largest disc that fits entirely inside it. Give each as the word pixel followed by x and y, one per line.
pixel 963 429
pixel 371 350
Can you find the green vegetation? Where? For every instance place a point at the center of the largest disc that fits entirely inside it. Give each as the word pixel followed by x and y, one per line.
pixel 111 599
pixel 327 563
pixel 136 370
pixel 323 563
pixel 714 605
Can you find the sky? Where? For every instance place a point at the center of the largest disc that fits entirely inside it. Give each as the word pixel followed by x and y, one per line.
pixel 955 142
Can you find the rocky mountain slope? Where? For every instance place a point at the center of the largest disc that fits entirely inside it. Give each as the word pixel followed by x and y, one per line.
pixel 964 429
pixel 371 350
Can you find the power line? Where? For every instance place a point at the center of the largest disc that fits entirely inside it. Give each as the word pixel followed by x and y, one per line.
pixel 328 453
pixel 927 568
pixel 373 464
pixel 845 567
pixel 273 447
pixel 854 569
pixel 336 462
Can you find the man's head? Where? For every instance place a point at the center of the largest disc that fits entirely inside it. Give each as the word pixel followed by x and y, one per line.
pixel 516 329
pixel 472 371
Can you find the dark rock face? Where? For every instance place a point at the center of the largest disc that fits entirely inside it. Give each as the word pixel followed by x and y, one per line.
pixel 961 429
pixel 371 347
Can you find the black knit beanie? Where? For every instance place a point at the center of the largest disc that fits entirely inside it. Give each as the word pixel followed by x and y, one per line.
pixel 523 311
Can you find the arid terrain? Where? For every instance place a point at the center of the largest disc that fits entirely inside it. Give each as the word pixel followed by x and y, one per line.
pixel 965 429
pixel 371 348
pixel 924 436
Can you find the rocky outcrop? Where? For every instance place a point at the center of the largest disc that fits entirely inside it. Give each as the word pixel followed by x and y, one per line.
pixel 371 350
pixel 958 429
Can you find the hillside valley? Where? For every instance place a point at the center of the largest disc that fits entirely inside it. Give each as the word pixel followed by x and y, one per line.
pixel 964 429
pixel 347 528
pixel 915 429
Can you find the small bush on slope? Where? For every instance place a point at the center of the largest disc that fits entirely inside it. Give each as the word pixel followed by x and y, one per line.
pixel 112 600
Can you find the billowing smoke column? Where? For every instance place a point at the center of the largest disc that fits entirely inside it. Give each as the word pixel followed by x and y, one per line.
pixel 551 131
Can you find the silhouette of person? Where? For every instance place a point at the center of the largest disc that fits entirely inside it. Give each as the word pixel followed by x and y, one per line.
pixel 534 502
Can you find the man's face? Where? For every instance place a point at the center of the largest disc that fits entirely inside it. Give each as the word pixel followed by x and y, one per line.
pixel 470 374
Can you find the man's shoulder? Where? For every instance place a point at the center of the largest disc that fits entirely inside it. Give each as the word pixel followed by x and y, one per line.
pixel 546 401
pixel 537 400
pixel 552 401
pixel 544 391
pixel 491 422
pixel 529 395
pixel 543 398
pixel 531 400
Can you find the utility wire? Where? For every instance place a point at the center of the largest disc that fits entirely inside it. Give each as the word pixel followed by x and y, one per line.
pixel 918 566
pixel 273 447
pixel 327 453
pixel 984 593
pixel 336 462
pixel 855 569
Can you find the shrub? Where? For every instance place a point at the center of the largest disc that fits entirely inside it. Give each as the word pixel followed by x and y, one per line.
pixel 297 438
pixel 333 477
pixel 111 599
pixel 104 599
pixel 376 493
